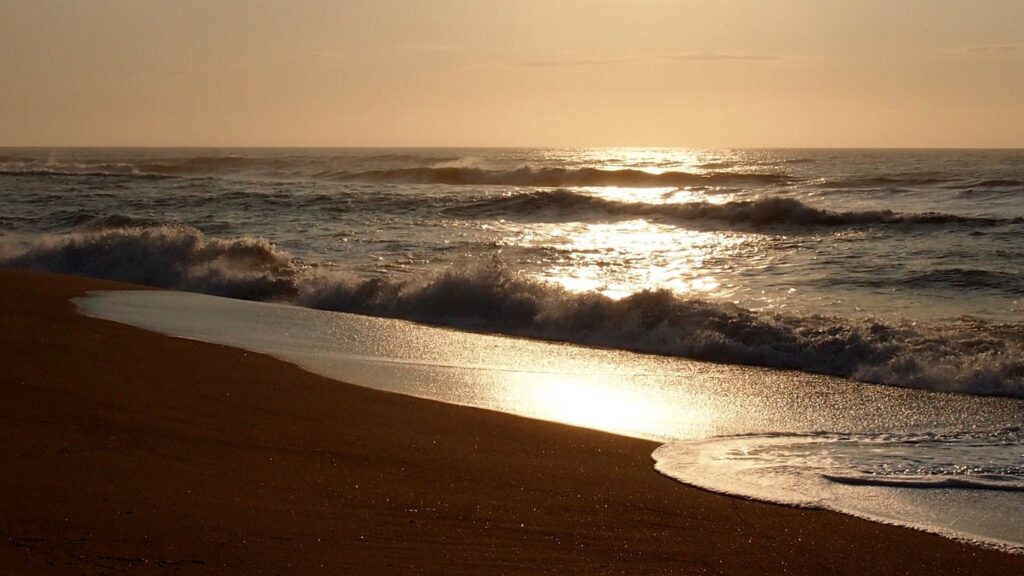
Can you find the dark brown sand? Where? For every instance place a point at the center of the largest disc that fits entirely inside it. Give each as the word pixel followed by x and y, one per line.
pixel 129 452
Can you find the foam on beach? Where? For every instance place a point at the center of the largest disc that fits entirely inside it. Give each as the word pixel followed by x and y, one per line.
pixel 965 485
pixel 963 356
pixel 960 484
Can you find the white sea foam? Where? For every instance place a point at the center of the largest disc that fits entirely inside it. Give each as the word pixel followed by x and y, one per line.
pixel 965 357
pixel 965 485
pixel 903 478
pixel 899 268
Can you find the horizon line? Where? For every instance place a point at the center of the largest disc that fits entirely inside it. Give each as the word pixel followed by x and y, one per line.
pixel 476 147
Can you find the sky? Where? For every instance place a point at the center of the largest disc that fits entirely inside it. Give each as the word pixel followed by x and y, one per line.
pixel 689 73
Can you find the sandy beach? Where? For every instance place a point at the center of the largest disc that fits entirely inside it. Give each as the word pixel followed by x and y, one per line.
pixel 130 452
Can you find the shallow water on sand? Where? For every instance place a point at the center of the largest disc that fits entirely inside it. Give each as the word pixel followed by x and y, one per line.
pixel 781 436
pixel 896 267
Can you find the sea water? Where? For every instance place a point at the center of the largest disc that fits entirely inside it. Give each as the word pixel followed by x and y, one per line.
pixel 748 431
pixel 903 269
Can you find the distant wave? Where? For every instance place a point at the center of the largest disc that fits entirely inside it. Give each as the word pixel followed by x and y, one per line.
pixel 994 183
pixel 881 180
pixel 194 166
pixel 398 157
pixel 81 171
pixel 964 357
pixel 13 159
pixel 943 181
pixel 210 164
pixel 437 170
pixel 726 164
pixel 550 177
pixel 767 211
pixel 85 220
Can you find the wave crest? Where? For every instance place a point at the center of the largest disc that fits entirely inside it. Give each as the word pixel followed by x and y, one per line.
pixel 177 257
pixel 86 171
pixel 551 177
pixel 438 170
pixel 965 357
pixel 766 211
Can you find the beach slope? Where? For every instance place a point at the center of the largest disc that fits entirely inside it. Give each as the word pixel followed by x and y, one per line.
pixel 125 451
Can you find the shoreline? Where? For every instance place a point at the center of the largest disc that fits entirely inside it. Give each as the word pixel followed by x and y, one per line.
pixel 130 451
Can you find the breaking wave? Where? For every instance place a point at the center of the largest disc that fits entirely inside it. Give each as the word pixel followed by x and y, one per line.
pixel 767 211
pixel 969 357
pixel 551 177
pixel 176 257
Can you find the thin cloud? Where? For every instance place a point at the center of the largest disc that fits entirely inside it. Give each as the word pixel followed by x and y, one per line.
pixel 335 57
pixel 653 59
pixel 430 48
pixel 722 56
pixel 574 63
pixel 324 56
pixel 994 50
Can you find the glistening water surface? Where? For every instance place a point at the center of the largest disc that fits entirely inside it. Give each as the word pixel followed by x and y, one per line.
pixel 895 267
pixel 741 430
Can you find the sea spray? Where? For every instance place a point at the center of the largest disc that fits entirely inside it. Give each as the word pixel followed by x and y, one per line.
pixel 966 356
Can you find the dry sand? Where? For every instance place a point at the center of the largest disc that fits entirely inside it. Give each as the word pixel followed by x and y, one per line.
pixel 124 451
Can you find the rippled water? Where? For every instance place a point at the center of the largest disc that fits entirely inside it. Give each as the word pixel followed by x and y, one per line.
pixel 896 267
pixel 926 235
pixel 903 268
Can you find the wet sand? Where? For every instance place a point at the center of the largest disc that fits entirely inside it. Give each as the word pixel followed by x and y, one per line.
pixel 130 452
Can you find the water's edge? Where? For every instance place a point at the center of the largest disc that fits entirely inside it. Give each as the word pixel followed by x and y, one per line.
pixel 663 466
pixel 375 372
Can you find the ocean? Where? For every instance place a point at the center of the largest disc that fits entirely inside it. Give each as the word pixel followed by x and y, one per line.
pixel 829 328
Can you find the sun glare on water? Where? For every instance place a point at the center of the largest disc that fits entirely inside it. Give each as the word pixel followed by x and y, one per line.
pixel 621 258
pixel 607 403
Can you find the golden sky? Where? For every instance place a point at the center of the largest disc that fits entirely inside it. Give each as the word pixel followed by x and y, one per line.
pixel 702 73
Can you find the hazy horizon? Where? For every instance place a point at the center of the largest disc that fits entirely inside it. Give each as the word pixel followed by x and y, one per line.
pixel 456 73
pixel 508 147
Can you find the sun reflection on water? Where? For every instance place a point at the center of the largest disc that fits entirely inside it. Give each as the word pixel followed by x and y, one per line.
pixel 663 194
pixel 621 258
pixel 609 402
pixel 654 160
